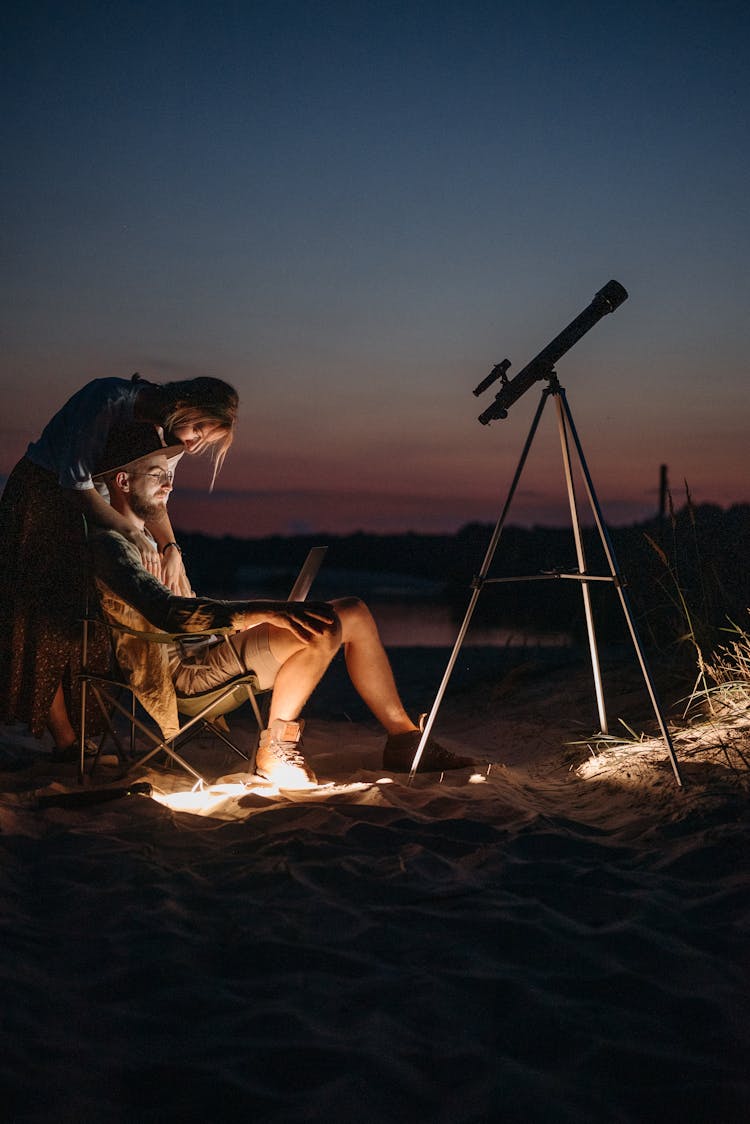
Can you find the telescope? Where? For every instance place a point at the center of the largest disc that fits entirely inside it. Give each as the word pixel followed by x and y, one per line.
pixel 541 366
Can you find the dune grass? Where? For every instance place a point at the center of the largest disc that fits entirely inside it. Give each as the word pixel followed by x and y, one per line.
pixel 701 634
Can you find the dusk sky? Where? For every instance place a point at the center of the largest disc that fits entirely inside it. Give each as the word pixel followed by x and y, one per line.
pixel 353 210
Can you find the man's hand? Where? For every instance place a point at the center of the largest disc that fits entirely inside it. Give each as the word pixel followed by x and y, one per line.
pixel 305 620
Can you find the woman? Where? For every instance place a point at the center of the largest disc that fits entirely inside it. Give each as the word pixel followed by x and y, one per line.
pixel 41 530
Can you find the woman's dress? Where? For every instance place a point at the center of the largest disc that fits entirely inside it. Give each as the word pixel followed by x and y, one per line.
pixel 43 559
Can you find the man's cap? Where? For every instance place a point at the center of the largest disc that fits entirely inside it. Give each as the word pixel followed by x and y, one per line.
pixel 130 443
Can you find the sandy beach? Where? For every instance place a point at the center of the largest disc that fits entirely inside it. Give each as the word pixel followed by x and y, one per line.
pixel 561 937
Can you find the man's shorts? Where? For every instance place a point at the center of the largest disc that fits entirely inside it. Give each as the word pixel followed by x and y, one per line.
pixel 236 654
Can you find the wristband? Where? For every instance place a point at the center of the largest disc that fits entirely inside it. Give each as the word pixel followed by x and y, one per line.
pixel 166 547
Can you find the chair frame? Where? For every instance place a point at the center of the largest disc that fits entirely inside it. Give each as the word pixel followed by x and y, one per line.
pixel 107 689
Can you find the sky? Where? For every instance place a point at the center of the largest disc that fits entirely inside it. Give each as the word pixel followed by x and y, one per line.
pixel 352 211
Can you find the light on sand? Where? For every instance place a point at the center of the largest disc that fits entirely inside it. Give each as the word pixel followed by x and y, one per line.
pixel 206 800
pixel 199 800
pixel 628 764
pixel 203 799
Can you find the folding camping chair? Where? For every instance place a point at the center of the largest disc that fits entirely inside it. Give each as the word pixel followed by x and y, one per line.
pixel 204 711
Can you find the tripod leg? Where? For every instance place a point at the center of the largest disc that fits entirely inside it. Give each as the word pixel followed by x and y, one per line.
pixel 580 554
pixel 618 582
pixel 478 583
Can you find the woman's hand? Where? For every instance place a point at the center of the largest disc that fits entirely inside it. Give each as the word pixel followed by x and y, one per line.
pixel 149 555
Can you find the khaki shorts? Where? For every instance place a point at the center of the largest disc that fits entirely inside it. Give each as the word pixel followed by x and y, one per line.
pixel 249 650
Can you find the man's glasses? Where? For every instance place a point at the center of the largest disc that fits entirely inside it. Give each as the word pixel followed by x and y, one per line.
pixel 158 474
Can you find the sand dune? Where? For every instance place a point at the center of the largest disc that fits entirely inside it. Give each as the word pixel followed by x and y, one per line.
pixel 560 938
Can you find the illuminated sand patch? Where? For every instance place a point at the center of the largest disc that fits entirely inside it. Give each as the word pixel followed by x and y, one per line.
pixel 716 746
pixel 211 799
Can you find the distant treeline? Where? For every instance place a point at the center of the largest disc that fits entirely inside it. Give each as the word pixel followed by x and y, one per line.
pixel 687 570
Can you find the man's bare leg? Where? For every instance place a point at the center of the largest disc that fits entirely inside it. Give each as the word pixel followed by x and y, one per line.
pixel 302 667
pixel 370 672
pixel 369 667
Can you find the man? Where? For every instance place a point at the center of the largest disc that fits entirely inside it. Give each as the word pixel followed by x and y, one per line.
pixel 288 645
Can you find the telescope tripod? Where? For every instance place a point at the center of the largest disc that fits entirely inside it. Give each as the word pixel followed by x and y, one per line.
pixel 567 430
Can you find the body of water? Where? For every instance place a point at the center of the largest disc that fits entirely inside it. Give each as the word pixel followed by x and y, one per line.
pixel 432 625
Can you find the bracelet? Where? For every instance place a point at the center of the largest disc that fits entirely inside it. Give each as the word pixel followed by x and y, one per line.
pixel 176 545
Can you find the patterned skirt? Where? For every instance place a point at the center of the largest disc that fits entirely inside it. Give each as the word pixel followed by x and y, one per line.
pixel 43 575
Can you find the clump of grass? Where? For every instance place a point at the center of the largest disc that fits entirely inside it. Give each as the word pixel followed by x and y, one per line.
pixel 599 743
pixel 697 602
pixel 689 626
pixel 690 591
pixel 728 667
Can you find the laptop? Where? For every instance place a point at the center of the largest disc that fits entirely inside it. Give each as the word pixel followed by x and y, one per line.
pixel 308 573
pixel 191 650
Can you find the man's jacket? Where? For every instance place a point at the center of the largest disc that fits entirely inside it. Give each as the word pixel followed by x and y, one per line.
pixel 134 599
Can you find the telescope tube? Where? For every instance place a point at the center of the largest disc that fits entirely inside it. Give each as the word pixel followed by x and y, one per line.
pixel 606 300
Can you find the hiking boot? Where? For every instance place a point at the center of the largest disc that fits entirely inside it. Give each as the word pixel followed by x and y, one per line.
pixel 278 758
pixel 399 751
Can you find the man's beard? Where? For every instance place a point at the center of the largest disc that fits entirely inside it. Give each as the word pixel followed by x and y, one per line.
pixel 146 509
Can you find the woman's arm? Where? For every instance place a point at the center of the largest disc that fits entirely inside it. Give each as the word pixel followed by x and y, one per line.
pixel 98 511
pixel 173 573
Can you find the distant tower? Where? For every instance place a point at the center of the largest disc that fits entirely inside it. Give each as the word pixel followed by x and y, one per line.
pixel 663 489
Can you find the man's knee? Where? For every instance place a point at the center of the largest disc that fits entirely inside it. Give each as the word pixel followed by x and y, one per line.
pixel 354 616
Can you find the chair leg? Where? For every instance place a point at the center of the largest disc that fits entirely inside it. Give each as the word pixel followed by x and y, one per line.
pixel 256 710
pixel 262 723
pixel 159 746
pixel 109 731
pixel 82 744
pixel 219 733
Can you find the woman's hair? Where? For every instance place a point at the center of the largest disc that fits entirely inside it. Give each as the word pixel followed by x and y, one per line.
pixel 202 400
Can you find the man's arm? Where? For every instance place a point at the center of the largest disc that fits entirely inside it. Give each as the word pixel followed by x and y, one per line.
pixel 117 563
